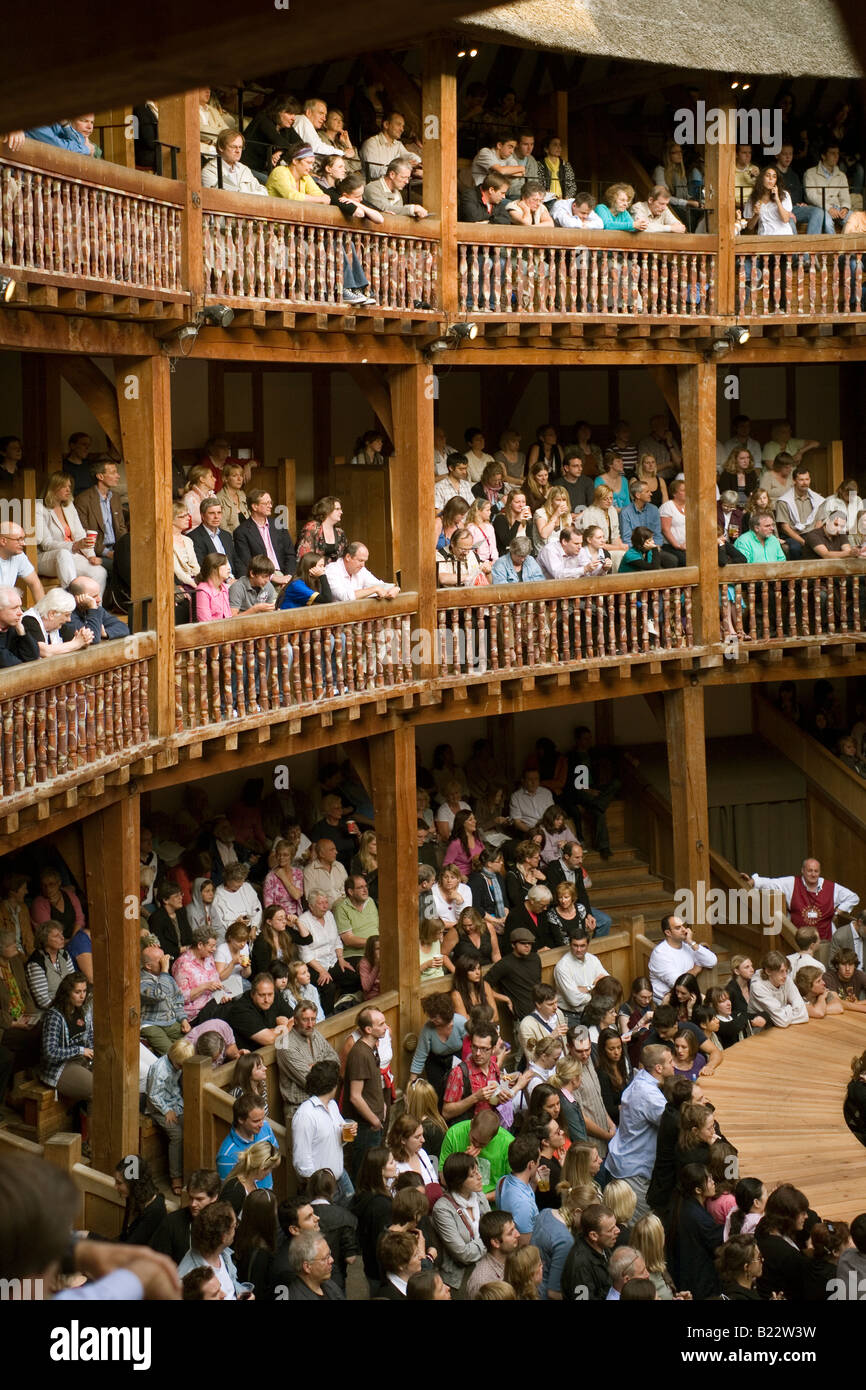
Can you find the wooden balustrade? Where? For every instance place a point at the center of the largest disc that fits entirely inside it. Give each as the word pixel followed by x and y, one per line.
pixel 91 713
pixel 266 662
pixel 805 601
pixel 818 278
pixel 545 270
pixel 506 628
pixel 292 253
pixel 84 224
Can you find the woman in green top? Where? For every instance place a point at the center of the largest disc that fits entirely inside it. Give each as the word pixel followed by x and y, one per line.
pixel 643 553
pixel 613 209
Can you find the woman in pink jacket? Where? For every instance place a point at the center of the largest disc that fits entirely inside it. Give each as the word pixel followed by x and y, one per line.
pixel 212 590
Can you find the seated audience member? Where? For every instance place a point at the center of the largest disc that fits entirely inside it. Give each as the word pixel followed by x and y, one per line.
pixel 292 177
pixel 485 201
pixel 457 1216
pixel 170 923
pixel 89 613
pixel 825 186
pixel 99 510
pixel 773 994
pixel 49 964
pixel 586 1273
pixel 556 173
pixel 321 948
pixel 613 209
pixel 213 118
pixel 201 483
pixel 47 622
pixel 227 170
pixel 733 1025
pixel 270 131
pixel 386 193
pixel 322 534
pixel 232 497
pixel 254 592
pixel 67 1039
pixel 234 900
pixel 208 538
pixel 529 803
pixel 14 564
pixel 829 540
pixel 255 1017
pixel 197 976
pixel 64 548
pixel 529 209
pixel 165 1104
pixel 299 1050
pixel 576 212
pixel 455 484
pixel 796 511
pixel 819 1000
pixel 656 211
pixel 163 1014
pixel 73 135
pixel 263 534
pixel 379 151
pixel 16 643
pixel 499 158
pixel 350 579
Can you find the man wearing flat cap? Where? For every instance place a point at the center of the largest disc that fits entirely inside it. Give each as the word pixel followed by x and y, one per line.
pixel 513 977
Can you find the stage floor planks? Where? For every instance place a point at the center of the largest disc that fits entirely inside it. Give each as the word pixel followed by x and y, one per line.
pixel 779 1097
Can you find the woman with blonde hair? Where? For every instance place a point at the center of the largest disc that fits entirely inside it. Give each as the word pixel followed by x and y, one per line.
pixel 300 987
pixel 673 174
pixel 647 472
pixel 419 1100
pixel 497 1291
pixel 186 566
pixel 434 962
pixel 580 1167
pixel 740 475
pixel 603 514
pixel 366 862
pixel 284 883
pixel 471 935
pixel 523 1271
pixel 647 1236
pixel 621 1199
pixel 550 518
pixel 199 486
pixel 232 497
pixel 566 1079
pixel 478 522
pixel 63 549
pixel 819 1000
pixel 253 1165
pixel 510 456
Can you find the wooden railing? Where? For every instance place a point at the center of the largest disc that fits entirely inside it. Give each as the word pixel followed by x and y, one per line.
pixel 552 270
pixel 265 662
pixel 291 253
pixel 512 628
pixel 92 714
pixel 786 277
pixel 84 224
pixel 806 601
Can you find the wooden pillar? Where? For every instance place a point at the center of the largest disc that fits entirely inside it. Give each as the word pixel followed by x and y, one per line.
pixel 116 134
pixel 687 769
pixel 179 125
pixel 322 443
pixel 392 770
pixel 413 510
pixel 144 406
pixel 719 195
pixel 40 383
pixel 697 396
pixel 560 107
pixel 111 874
pixel 439 130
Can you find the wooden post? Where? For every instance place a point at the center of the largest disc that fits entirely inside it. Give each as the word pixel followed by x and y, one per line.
pixel 560 124
pixel 118 145
pixel 111 860
pixel 322 442
pixel 392 769
pixel 179 125
pixel 144 406
pixel 439 130
pixel 40 381
pixel 697 394
pixel 687 769
pixel 719 195
pixel 196 1072
pixel 287 492
pixel 413 510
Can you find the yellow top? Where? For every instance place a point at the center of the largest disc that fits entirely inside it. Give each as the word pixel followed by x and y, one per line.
pixel 283 184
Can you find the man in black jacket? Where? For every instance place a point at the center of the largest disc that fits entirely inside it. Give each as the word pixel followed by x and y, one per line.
pixel 89 612
pixel 261 534
pixel 484 202
pixel 171 1236
pixel 16 644
pixel 568 868
pixel 209 538
pixel 585 1275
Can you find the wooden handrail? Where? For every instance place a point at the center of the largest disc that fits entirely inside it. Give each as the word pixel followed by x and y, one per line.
pixel 791 569
pixel 799 245
pixel 96 173
pixel 485 234
pixel 224 201
pixel 59 670
pixel 578 588
pixel 191 635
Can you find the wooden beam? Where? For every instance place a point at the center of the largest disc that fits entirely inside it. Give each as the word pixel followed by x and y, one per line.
pixel 322 440
pixel 144 405
pixel 413 510
pixel 439 130
pixel 607 92
pixel 687 769
pixel 373 382
pixel 719 193
pixel 179 125
pixel 92 386
pixel 697 394
pixel 665 379
pixel 110 840
pixel 392 768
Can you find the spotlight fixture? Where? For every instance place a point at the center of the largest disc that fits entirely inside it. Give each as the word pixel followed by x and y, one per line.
pixel 473 53
pixel 186 333
pixel 7 288
pixel 746 86
pixel 463 330
pixel 734 86
pixel 437 345
pixel 736 336
pixel 461 53
pixel 220 315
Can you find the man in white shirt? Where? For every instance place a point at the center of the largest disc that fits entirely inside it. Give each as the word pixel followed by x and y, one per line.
pixel 379 150
pixel 807 939
pixel 236 176
pixel 773 994
pixel 349 578
pixel 529 803
pixel 783 442
pixel 795 512
pixel 812 900
pixel 575 974
pixel 776 480
pixel 500 159
pixel 677 954
pixel 441 452
pixel 325 874
pixel 307 127
pixel 317 1128
pixel 455 483
pixel 14 564
pixel 740 439
pixel 661 444
pixel 656 211
pixel 576 212
pixel 558 557
pixel 825 186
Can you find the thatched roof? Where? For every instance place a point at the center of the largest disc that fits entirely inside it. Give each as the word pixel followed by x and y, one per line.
pixel 796 38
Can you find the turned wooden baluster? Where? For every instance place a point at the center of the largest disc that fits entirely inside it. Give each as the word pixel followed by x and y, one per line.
pixel 306 668
pixel 41 739
pixel 824 281
pixel 857 625
pixel 665 286
pixel 62 753
pixel 75 735
pixel 30 743
pixel 462 278
pixel 143 726
pixel 611 299
pixel 750 602
pixel 6 710
pixel 215 683
pixel 858 282
pixel 834 303
pixel 688 616
pixel 179 659
pixel 51 732
pixel 777 595
pixel 20 765
pixel 827 587
pixel 98 700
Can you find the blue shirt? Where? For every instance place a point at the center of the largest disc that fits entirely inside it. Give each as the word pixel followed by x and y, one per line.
pixel 649 517
pixel 233 1146
pixel 553 1241
pixel 518 1199
pixel 107 523
pixel 632 1150
pixel 63 136
pixel 617 222
pixel 79 945
pixel 163 1087
pixel 503 571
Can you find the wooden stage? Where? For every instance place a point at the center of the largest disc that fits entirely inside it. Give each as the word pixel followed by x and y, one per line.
pixel 779 1098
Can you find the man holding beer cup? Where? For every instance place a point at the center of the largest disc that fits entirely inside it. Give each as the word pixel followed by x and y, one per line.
pixel 319 1131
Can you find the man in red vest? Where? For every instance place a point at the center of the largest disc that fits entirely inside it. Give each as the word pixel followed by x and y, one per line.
pixel 812 901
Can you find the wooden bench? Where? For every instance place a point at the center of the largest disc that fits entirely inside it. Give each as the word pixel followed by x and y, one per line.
pixel 44 1111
